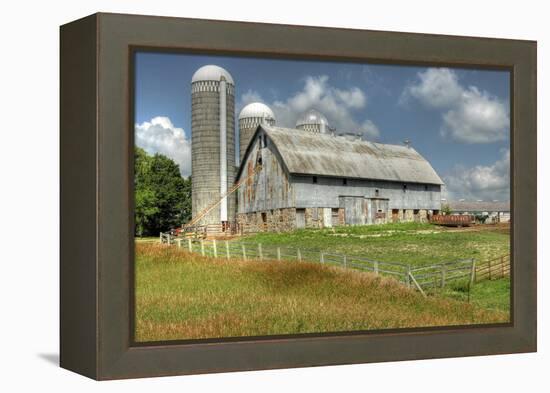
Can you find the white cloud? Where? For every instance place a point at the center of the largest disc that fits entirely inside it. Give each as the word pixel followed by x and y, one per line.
pixel 161 136
pixel 479 118
pixel 470 115
pixel 336 104
pixel 247 98
pixel 436 88
pixel 481 182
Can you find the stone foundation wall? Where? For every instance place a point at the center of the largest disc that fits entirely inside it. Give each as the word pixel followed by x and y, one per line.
pixel 276 220
pixel 284 220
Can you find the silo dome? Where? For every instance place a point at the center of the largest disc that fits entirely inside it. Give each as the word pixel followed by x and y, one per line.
pixel 211 73
pixel 313 121
pixel 250 118
pixel 256 109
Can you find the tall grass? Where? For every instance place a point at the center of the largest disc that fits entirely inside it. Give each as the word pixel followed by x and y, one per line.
pixel 185 296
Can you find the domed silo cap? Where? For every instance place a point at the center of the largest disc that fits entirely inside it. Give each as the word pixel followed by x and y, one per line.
pixel 256 109
pixel 313 117
pixel 212 73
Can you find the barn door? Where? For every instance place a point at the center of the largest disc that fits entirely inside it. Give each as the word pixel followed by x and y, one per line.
pixel 327 217
pixel 354 210
pixel 300 218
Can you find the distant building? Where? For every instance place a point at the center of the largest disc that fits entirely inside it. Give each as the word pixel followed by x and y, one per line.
pixel 494 211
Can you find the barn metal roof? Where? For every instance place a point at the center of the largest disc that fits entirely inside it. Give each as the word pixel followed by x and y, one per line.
pixel 306 153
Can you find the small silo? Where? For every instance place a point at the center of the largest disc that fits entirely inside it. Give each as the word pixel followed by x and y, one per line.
pixel 250 118
pixel 313 121
pixel 212 142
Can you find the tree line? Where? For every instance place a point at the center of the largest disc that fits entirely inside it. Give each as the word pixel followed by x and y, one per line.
pixel 162 196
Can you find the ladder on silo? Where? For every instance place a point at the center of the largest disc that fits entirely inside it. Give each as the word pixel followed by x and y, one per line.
pixel 210 207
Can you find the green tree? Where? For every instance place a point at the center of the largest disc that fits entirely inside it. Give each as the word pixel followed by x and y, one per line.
pixel 162 195
pixel 446 209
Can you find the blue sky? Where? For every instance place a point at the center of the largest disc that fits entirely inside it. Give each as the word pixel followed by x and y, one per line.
pixel 458 119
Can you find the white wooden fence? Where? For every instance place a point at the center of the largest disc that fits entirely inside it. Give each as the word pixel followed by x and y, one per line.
pixel 423 278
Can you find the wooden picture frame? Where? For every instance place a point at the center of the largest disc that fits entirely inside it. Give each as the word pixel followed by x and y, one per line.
pixel 97 196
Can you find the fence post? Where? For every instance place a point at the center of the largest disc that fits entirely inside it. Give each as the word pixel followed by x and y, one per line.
pixel 299 255
pixel 345 261
pixel 278 253
pixel 260 251
pixel 227 249
pixel 179 243
pixel 202 247
pixel 169 240
pixel 489 269
pixel 160 238
pixel 244 251
pixel 443 274
pixel 408 280
pixel 375 267
pixel 322 257
pixel 473 272
pixel 215 248
pixel 411 278
pixel 501 266
pixel 190 244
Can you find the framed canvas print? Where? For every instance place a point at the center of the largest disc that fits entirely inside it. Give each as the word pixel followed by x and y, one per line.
pixel 241 196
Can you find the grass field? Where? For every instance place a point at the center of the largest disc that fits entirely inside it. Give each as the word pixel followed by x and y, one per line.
pixel 185 296
pixel 488 294
pixel 412 243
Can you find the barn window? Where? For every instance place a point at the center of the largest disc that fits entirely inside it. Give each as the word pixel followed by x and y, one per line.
pixel 345 182
pixel 426 187
pixel 314 179
pixel 376 192
pixel 404 188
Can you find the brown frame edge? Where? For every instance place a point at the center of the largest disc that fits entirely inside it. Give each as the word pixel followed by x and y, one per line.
pixel 96 200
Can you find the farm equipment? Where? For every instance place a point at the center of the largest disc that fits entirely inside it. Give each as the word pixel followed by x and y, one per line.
pixel 453 220
pixel 193 223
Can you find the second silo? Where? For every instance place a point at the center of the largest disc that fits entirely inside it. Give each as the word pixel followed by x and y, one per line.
pixel 212 143
pixel 250 118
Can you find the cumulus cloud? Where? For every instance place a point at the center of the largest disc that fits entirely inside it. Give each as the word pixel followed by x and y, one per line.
pixel 161 136
pixel 470 115
pixel 480 182
pixel 336 104
pixel 247 98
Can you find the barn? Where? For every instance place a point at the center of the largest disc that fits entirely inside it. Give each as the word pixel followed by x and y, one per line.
pixel 320 179
pixel 312 176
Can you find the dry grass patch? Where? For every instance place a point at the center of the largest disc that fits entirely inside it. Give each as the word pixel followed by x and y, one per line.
pixel 185 296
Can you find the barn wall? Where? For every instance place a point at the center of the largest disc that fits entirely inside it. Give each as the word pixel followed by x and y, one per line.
pixel 326 193
pixel 269 189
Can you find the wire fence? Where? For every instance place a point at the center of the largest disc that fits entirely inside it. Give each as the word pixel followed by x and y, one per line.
pixel 423 278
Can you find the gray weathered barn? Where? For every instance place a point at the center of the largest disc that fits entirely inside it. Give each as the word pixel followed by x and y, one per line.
pixel 313 179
